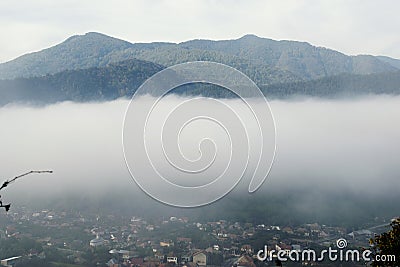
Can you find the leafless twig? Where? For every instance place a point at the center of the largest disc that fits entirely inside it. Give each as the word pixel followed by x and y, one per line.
pixel 6 183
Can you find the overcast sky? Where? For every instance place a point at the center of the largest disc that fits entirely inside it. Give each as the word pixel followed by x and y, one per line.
pixel 352 27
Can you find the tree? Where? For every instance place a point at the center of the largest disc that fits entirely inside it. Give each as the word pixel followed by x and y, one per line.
pixel 388 244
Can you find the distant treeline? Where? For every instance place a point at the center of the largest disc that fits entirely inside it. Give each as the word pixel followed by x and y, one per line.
pixel 122 80
pixel 84 85
pixel 339 86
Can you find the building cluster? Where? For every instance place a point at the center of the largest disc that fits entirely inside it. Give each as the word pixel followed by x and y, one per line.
pixel 173 241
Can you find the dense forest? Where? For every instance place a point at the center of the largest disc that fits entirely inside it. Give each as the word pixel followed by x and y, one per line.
pixel 122 79
pixel 269 61
pixel 344 85
pixel 93 84
pixel 97 67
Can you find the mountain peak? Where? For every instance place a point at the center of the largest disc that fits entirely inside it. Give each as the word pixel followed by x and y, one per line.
pixel 92 49
pixel 93 36
pixel 293 58
pixel 96 34
pixel 250 36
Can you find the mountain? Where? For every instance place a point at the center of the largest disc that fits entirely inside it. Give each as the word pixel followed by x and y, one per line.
pixel 99 50
pixel 392 61
pixel 93 84
pixel 264 60
pixel 300 58
pixel 343 85
pixel 95 67
pixel 122 79
pixel 77 52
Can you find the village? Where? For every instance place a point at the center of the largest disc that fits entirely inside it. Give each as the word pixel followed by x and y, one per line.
pixel 110 240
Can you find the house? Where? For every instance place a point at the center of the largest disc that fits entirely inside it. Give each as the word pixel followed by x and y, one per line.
pixel 323 234
pixel 166 243
pixel 172 259
pixel 246 249
pixel 125 254
pixel 314 227
pixel 284 247
pixel 159 256
pixel 186 258
pixel 10 261
pixel 245 261
pixel 288 230
pixel 234 251
pixel 150 228
pixel 200 258
pixel 98 241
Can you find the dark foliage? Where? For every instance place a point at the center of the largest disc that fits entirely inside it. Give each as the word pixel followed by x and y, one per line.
pixel 122 80
pixel 388 244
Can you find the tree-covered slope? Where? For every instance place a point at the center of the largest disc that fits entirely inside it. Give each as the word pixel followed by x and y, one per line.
pixel 300 58
pixel 92 84
pixel 122 80
pixel 77 52
pixel 267 61
pixel 98 50
pixel 392 61
pixel 344 85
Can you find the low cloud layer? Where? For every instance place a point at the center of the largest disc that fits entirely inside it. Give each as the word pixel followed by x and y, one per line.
pixel 326 144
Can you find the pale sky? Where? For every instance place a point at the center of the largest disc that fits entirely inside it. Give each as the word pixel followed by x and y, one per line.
pixel 352 26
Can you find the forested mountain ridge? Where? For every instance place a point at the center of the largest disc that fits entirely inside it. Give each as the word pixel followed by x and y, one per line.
pixel 92 84
pixel 394 62
pixel 268 60
pixel 300 58
pixel 96 67
pixel 339 86
pixel 122 79
pixel 77 52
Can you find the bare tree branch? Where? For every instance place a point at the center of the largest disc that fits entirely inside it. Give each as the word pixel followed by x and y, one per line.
pixel 6 183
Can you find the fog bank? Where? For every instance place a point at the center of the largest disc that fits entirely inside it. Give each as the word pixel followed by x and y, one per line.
pixel 325 144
